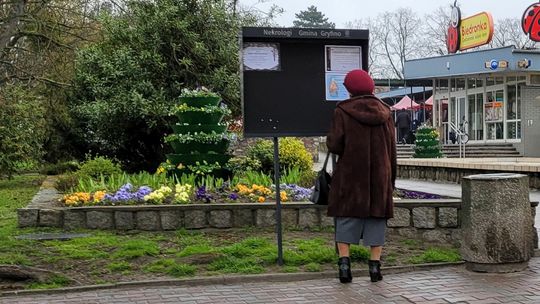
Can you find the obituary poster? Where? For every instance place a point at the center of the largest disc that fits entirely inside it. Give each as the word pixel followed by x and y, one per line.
pixel 339 61
pixel 343 58
pixel 261 57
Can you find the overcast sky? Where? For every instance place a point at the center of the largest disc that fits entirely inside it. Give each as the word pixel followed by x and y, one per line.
pixel 342 11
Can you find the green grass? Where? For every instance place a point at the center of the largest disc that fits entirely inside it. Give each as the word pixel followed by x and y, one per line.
pixel 313 267
pixel 119 266
pixel 171 267
pixel 436 255
pixel 196 249
pixel 136 248
pixel 57 281
pixel 410 243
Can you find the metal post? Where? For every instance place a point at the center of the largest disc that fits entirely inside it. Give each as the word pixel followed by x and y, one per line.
pixel 278 202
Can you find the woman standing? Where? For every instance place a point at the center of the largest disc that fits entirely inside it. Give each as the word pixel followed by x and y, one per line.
pixel 362 135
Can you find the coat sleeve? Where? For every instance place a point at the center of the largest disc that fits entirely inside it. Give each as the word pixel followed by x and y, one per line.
pixel 392 150
pixel 335 140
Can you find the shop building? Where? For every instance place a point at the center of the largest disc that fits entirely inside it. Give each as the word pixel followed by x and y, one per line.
pixel 493 95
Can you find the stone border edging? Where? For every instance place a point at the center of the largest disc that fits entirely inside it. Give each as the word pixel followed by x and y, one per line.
pixel 225 280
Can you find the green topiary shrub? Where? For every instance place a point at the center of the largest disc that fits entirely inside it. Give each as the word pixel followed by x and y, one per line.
pixel 427 143
pixel 292 154
pixel 99 166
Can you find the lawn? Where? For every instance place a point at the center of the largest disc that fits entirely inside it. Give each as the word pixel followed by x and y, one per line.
pixel 106 257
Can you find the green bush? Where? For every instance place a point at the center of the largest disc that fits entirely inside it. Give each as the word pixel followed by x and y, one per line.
pixel 99 166
pixel 60 168
pixel 21 129
pixel 67 182
pixel 292 154
pixel 263 151
pixel 307 178
pixel 243 163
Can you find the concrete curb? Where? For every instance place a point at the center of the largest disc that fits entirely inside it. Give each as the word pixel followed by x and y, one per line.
pixel 227 280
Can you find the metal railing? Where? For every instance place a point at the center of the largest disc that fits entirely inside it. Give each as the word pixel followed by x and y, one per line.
pixel 459 136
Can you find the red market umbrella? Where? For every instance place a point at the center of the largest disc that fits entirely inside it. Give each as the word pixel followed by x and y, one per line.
pixel 404 104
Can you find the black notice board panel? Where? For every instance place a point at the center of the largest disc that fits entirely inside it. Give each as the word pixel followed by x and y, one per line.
pixel 290 99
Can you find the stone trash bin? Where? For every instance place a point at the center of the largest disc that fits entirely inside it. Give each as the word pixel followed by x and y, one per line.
pixel 496 222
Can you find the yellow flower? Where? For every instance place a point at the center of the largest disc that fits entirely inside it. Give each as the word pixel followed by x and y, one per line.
pixel 261 199
pixel 160 170
pixel 180 166
pixel 283 196
pixel 98 196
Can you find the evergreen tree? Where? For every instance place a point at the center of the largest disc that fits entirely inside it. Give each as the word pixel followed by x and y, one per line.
pixel 312 18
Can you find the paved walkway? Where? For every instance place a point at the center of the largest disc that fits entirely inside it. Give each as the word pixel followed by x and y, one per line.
pixel 448 285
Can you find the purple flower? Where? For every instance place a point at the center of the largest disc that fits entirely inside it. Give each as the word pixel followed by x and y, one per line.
pixel 203 195
pixel 233 196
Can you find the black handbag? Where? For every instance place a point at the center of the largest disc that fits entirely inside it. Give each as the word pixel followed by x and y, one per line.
pixel 322 184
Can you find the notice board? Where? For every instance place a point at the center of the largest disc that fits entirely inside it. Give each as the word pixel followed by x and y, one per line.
pixel 293 77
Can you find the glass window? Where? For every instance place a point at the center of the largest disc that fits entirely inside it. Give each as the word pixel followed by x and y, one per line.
pixel 522 78
pixel 493 111
pixel 471 119
pixel 479 82
pixel 511 78
pixel 479 117
pixel 511 102
pixel 490 81
pixel 499 80
pixel 460 84
pixel 471 83
pixel 452 85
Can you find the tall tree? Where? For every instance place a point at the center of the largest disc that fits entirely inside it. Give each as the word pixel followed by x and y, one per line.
pixel 400 36
pixel 437 30
pixel 508 32
pixel 374 52
pixel 312 18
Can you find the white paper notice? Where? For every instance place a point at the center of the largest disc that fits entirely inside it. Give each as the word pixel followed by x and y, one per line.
pixel 261 57
pixel 343 58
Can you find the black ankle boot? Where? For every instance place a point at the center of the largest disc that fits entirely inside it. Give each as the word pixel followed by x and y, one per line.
pixel 344 265
pixel 375 270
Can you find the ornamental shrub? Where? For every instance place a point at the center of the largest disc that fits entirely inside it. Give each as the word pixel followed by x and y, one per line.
pixel 99 166
pixel 292 154
pixel 427 143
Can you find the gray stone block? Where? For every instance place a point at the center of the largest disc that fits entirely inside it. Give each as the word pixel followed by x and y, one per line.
pixel 124 220
pixel 27 217
pixel 265 218
pixel 326 221
pixel 172 220
pixel 99 220
pixel 308 218
pixel 496 221
pixel 243 217
pixel 195 219
pixel 51 218
pixel 424 217
pixel 402 218
pixel 289 217
pixel 147 220
pixel 74 219
pixel 221 219
pixel 435 235
pixel 448 217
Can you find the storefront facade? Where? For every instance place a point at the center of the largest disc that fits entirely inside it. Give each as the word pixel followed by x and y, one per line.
pixel 481 93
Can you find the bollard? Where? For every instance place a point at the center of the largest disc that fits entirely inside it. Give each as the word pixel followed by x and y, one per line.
pixel 496 222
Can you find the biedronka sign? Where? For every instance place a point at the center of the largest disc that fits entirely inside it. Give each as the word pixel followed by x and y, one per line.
pixel 470 32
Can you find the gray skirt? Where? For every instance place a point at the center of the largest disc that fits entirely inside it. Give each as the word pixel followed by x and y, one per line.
pixel 351 230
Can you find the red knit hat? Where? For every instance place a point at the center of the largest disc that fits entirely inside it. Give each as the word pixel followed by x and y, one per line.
pixel 358 82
